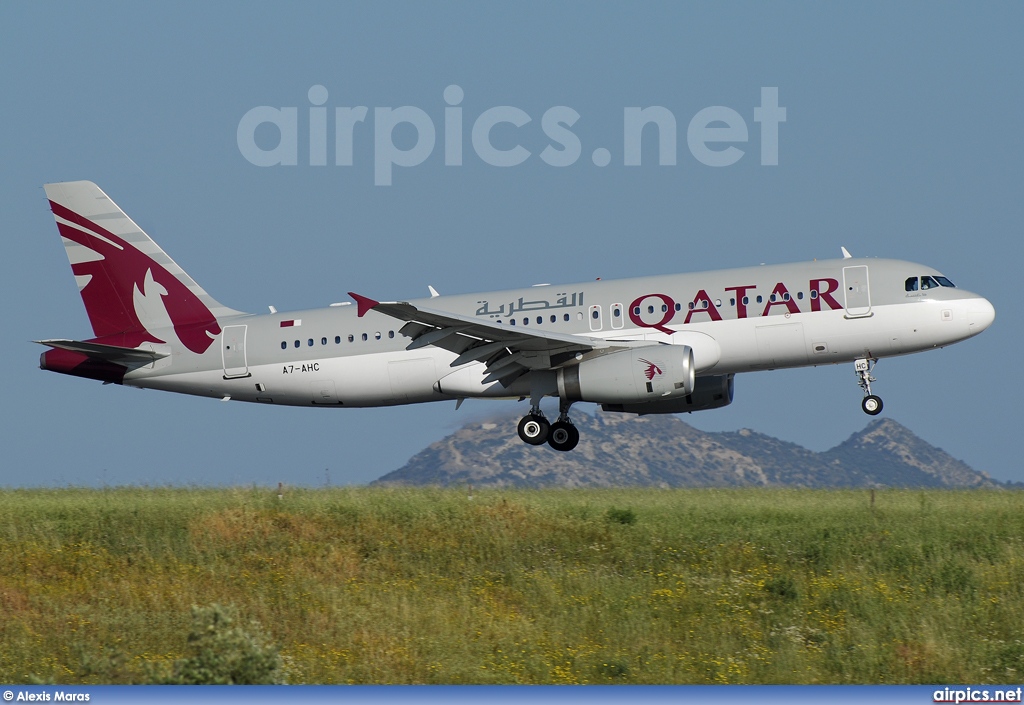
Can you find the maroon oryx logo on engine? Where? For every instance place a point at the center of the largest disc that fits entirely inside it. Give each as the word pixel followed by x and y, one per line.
pixel 652 370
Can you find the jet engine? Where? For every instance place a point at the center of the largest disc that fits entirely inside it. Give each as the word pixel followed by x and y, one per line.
pixel 711 392
pixel 651 372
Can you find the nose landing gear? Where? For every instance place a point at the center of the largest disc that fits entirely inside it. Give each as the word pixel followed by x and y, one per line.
pixel 871 404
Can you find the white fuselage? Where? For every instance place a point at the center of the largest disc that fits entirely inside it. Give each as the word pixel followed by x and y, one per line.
pixel 735 321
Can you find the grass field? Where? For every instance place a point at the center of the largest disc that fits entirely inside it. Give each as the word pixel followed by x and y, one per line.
pixel 368 585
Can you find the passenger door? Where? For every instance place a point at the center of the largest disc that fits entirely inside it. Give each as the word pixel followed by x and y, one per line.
pixel 858 294
pixel 233 352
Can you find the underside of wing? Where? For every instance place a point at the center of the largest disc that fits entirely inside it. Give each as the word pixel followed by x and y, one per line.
pixel 508 352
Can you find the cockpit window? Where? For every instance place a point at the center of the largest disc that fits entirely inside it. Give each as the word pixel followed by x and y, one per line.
pixel 928 282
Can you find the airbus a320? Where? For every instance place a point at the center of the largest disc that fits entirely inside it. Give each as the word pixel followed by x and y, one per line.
pixel 650 345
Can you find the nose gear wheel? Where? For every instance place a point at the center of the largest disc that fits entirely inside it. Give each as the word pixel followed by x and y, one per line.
pixel 871 404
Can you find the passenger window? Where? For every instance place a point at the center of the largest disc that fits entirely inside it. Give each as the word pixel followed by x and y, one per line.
pixel 565 317
pixel 323 341
pixel 746 300
pixel 800 295
pixel 377 335
pixel 365 337
pixel 540 319
pixel 351 338
pixel 636 310
pixel 814 293
pixel 284 345
pixel 595 314
pixel 617 321
pixel 297 343
pixel 310 342
pixel 732 302
pixel 910 284
pixel 526 321
pixel 554 318
pixel 337 340
pixel 391 334
pixel 511 321
pixel 679 307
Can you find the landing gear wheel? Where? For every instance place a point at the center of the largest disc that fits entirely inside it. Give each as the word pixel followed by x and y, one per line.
pixel 534 429
pixel 563 436
pixel 872 405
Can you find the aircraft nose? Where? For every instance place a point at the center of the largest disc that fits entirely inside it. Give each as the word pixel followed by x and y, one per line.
pixel 980 315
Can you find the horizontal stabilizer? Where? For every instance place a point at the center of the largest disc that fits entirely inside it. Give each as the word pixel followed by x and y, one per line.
pixel 106 353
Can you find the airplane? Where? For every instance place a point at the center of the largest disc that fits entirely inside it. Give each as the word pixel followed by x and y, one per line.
pixel 663 344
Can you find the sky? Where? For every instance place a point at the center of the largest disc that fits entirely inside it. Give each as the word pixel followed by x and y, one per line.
pixel 900 140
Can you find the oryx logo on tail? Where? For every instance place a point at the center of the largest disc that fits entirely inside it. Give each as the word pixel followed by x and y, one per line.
pixel 128 294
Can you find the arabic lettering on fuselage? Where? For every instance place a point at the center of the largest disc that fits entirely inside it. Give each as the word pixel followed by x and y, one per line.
pixel 665 309
pixel 510 309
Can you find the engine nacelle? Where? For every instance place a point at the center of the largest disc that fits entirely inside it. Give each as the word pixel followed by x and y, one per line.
pixel 709 393
pixel 651 372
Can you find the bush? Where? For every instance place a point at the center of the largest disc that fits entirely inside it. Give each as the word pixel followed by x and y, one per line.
pixel 223 654
pixel 622 516
pixel 782 586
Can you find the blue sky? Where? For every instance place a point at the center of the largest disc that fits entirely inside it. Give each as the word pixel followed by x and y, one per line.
pixel 901 140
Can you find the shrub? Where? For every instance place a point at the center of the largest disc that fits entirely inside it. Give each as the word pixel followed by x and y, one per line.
pixel 223 654
pixel 622 516
pixel 782 586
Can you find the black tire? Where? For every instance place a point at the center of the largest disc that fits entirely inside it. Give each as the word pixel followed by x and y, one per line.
pixel 563 436
pixel 872 405
pixel 534 429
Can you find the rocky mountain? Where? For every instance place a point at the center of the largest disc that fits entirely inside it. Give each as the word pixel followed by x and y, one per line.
pixel 662 451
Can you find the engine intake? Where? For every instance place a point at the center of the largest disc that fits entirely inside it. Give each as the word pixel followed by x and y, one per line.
pixel 651 372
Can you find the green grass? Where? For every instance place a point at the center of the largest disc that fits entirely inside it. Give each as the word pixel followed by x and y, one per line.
pixel 370 585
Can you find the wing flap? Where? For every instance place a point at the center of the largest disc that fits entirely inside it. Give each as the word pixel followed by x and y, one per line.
pixel 508 352
pixel 472 329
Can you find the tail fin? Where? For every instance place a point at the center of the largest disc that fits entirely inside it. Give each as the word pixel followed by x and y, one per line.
pixel 133 292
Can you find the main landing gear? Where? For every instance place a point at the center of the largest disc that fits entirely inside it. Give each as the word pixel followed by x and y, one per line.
pixel 871 404
pixel 560 435
pixel 533 428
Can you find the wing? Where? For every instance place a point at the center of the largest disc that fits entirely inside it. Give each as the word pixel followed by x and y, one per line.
pixel 508 351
